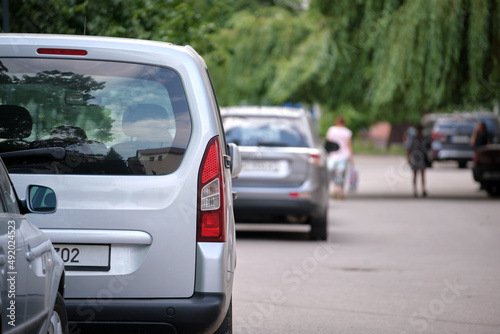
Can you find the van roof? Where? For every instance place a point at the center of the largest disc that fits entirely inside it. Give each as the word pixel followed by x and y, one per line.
pixel 116 47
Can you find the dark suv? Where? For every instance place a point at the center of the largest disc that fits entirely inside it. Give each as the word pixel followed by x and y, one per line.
pixel 451 136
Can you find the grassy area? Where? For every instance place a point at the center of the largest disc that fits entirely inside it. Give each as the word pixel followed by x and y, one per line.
pixel 367 147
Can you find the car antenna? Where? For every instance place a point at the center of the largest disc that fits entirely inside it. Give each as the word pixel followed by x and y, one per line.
pixel 85 26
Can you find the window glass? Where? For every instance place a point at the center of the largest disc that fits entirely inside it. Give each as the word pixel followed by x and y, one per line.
pixel 8 200
pixel 110 118
pixel 42 198
pixel 491 124
pixel 463 125
pixel 265 131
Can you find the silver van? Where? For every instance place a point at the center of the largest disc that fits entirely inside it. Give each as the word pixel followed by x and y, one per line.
pixel 128 133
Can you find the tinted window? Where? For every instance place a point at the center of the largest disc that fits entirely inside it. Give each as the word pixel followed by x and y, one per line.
pixel 463 126
pixel 265 131
pixel 8 199
pixel 111 118
pixel 491 124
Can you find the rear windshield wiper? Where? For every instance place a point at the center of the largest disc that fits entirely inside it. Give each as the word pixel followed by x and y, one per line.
pixel 57 153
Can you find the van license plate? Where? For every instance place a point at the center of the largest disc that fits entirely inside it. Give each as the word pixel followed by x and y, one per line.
pixel 79 257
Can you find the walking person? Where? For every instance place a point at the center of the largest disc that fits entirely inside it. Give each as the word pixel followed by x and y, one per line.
pixel 418 159
pixel 340 159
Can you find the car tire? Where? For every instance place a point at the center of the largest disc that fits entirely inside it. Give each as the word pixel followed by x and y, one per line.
pixel 319 227
pixel 493 190
pixel 462 164
pixel 227 325
pixel 58 323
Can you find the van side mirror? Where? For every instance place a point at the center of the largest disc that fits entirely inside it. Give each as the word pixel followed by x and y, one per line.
pixel 234 152
pixel 39 199
pixel 331 146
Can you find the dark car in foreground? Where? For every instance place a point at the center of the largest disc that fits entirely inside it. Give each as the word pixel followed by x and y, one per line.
pixel 283 176
pixel 486 169
pixel 31 272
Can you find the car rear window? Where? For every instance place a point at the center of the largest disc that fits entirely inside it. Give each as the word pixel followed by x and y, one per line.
pixel 265 131
pixel 461 125
pixel 491 124
pixel 110 118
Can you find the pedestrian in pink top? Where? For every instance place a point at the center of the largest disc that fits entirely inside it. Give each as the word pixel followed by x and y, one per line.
pixel 340 159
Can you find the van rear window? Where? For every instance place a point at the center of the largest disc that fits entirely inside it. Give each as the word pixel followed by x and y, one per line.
pixel 61 116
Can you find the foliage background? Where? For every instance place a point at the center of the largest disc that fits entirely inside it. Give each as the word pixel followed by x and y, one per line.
pixel 368 60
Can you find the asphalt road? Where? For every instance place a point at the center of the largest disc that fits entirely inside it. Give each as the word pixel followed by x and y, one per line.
pixel 393 263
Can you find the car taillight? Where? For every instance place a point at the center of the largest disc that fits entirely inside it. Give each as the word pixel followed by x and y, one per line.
pixel 211 197
pixel 63 52
pixel 435 135
pixel 315 159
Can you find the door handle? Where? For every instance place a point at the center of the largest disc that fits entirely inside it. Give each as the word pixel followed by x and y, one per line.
pixel 38 250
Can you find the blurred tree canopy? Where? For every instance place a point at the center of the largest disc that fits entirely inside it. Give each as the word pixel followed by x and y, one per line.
pixel 366 59
pixel 369 60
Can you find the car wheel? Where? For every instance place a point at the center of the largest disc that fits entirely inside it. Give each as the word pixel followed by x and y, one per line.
pixel 58 319
pixel 227 325
pixel 319 227
pixel 493 190
pixel 462 163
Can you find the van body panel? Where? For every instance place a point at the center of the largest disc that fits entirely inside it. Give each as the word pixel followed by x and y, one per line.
pixel 136 223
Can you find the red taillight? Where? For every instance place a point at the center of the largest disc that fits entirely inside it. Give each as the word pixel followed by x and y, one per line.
pixel 315 159
pixel 438 136
pixel 63 52
pixel 211 196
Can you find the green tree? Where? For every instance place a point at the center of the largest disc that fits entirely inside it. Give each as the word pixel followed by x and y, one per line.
pixel 371 59
pixel 176 21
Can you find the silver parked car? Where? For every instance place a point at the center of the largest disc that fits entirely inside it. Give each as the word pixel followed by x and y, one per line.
pixel 283 166
pixel 129 134
pixel 31 272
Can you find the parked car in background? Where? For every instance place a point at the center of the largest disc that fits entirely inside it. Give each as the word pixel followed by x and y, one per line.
pixel 31 273
pixel 486 169
pixel 129 135
pixel 451 135
pixel 283 166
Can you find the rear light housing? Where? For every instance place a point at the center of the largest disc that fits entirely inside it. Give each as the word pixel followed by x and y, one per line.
pixel 62 52
pixel 435 135
pixel 211 218
pixel 484 158
pixel 315 159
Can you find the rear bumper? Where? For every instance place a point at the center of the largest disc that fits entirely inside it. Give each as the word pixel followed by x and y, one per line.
pixel 447 154
pixel 254 204
pixel 202 313
pixel 255 208
pixel 486 175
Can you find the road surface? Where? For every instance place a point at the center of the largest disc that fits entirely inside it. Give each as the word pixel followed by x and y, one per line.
pixel 393 263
